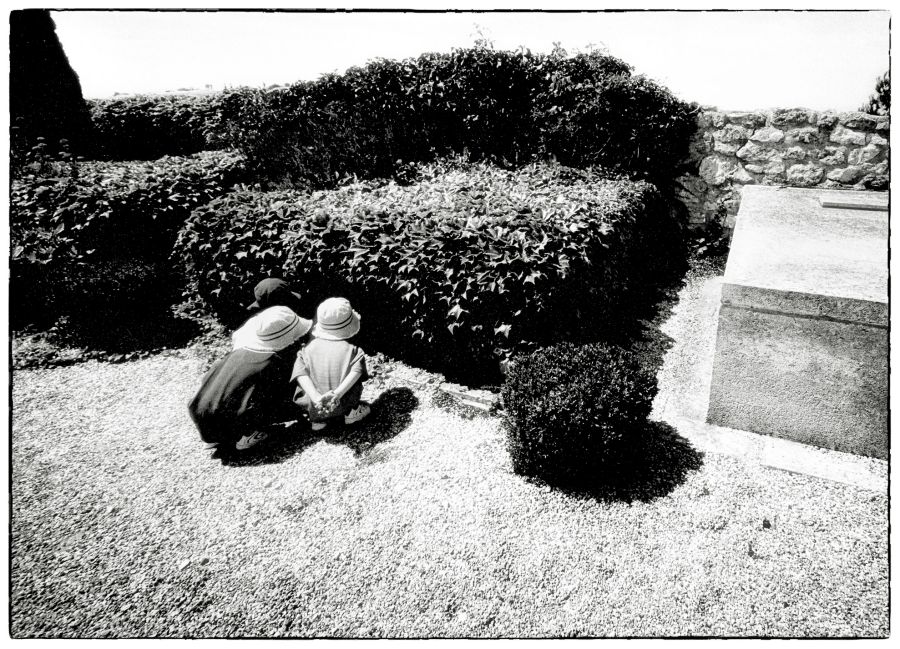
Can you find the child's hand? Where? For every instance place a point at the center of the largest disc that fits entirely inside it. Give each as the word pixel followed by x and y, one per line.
pixel 329 402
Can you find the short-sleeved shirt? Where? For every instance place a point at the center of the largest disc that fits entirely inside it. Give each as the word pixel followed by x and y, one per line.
pixel 241 390
pixel 328 362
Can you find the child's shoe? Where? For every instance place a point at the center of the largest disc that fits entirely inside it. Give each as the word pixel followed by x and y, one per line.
pixel 359 412
pixel 250 440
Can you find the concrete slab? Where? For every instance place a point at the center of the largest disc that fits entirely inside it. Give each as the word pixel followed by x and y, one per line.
pixel 683 399
pixel 802 347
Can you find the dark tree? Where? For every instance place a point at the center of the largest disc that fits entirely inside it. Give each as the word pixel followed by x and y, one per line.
pixel 880 102
pixel 45 97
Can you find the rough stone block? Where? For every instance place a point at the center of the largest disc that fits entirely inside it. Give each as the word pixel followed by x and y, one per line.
pixel 805 175
pixel 833 155
pixel 726 148
pixel 801 349
pixel 768 134
pixel 753 152
pixel 843 135
pixel 865 154
pixel 858 120
pixel 847 175
pixel 827 119
pixel 747 119
pixel 806 135
pixel 794 153
pixel 717 119
pixel 732 133
pixel 877 140
pixel 783 117
pixel 774 168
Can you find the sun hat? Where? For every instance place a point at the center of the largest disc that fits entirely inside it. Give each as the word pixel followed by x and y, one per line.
pixel 271 330
pixel 336 320
pixel 274 292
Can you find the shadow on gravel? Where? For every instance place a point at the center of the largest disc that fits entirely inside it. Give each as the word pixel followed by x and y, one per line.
pixel 391 414
pixel 657 463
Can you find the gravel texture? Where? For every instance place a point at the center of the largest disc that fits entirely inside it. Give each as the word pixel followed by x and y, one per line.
pixel 413 524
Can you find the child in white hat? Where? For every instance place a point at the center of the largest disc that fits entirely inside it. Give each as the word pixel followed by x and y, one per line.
pixel 250 389
pixel 331 368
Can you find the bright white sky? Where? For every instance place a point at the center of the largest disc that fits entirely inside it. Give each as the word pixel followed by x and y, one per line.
pixel 733 60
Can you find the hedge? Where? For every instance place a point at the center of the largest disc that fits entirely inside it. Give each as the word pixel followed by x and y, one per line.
pixel 459 269
pixel 372 121
pixel 147 127
pixel 509 108
pixel 570 411
pixel 72 220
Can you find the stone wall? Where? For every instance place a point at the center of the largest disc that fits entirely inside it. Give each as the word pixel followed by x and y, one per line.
pixel 792 147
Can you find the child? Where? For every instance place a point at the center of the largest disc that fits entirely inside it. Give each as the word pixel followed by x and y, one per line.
pixel 249 390
pixel 274 292
pixel 331 369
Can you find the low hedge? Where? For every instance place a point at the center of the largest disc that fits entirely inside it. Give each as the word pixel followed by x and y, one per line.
pixel 459 269
pixel 571 410
pixel 147 127
pixel 66 215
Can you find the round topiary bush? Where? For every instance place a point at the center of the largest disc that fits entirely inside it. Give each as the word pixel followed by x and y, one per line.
pixel 570 409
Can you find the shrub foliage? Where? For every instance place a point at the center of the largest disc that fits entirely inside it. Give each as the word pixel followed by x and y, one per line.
pixel 461 267
pixel 149 127
pixel 508 108
pixel 69 221
pixel 572 409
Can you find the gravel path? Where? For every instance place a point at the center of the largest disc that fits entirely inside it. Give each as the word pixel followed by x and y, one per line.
pixel 124 526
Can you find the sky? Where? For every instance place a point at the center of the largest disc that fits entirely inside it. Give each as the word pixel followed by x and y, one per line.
pixel 735 60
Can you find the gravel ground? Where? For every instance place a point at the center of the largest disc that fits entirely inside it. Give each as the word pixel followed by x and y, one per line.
pixel 412 525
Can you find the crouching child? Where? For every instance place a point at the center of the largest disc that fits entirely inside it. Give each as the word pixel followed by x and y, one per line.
pixel 248 391
pixel 331 369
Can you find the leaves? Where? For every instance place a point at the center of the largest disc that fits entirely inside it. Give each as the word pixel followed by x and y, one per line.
pixel 421 270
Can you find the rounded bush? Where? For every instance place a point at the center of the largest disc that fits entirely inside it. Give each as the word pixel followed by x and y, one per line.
pixel 570 409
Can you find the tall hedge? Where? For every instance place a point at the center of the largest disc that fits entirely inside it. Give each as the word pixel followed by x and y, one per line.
pixel 508 108
pixel 372 121
pixel 454 271
pixel 45 97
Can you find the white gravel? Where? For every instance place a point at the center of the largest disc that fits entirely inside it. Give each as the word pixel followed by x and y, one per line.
pixel 124 526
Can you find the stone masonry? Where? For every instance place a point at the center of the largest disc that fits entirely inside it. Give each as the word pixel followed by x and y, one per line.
pixel 791 147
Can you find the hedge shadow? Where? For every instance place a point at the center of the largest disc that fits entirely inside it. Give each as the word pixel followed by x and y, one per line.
pixel 658 461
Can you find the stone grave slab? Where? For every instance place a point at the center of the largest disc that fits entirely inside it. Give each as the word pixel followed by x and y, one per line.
pixel 802 339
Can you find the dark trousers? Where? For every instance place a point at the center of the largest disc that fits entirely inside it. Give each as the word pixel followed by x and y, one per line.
pixel 222 429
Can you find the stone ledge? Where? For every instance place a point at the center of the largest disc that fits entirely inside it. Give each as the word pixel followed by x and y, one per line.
pixel 479 399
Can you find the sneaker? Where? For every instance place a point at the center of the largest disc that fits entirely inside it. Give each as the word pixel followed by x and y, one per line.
pixel 359 412
pixel 252 439
pixel 318 425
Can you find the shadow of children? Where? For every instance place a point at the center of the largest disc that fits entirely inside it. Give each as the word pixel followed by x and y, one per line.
pixel 391 414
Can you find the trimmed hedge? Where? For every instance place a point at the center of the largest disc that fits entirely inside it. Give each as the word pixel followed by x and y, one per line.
pixel 459 269
pixel 147 127
pixel 571 410
pixel 372 121
pixel 69 221
pixel 509 108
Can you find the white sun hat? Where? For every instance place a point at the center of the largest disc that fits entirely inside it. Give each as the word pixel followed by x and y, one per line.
pixel 336 320
pixel 271 330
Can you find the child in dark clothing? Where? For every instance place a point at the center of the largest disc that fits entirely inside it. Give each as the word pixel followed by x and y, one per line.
pixel 274 292
pixel 249 389
pixel 331 369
